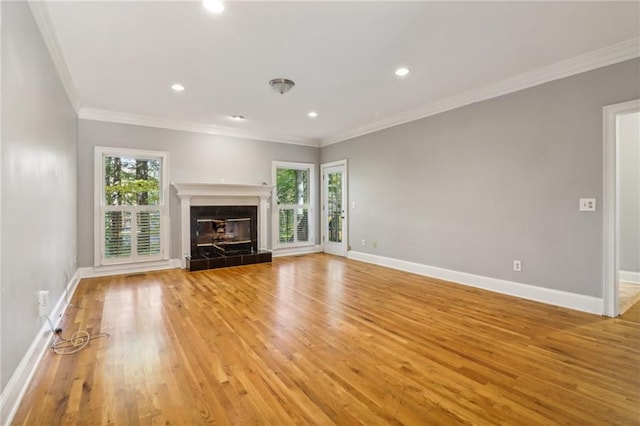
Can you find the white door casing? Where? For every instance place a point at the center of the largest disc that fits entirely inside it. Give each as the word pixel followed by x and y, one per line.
pixel 611 197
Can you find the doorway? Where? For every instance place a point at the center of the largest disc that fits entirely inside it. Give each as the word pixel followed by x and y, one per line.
pixel 621 232
pixel 334 208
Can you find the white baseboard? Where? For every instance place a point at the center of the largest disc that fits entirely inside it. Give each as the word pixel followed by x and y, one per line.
pixel 128 268
pixel 629 277
pixel 15 389
pixel 294 251
pixel 564 299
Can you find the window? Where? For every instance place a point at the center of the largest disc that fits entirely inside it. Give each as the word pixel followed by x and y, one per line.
pixel 131 205
pixel 293 204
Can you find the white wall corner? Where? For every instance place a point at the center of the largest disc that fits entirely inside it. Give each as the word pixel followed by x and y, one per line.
pixel 564 299
pixel 18 384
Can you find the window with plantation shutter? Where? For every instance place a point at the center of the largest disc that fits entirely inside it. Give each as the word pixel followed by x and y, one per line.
pixel 293 204
pixel 131 209
pixel 117 237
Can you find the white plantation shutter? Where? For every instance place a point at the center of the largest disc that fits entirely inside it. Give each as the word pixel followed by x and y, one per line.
pixel 122 223
pixel 293 225
pixel 117 239
pixel 302 224
pixel 148 232
pixel 286 221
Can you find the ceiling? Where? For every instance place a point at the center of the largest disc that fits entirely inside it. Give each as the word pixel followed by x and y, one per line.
pixel 122 57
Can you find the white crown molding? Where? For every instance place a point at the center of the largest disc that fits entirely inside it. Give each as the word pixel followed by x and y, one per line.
pixel 607 56
pixel 188 126
pixel 613 54
pixel 43 21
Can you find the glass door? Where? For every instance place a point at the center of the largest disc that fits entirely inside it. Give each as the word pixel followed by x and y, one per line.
pixel 334 208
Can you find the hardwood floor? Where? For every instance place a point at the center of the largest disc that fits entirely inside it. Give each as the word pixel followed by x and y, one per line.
pixel 628 294
pixel 323 340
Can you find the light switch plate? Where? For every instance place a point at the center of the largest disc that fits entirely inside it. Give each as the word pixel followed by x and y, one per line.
pixel 587 204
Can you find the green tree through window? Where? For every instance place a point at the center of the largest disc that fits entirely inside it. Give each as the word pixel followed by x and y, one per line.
pixel 293 204
pixel 132 207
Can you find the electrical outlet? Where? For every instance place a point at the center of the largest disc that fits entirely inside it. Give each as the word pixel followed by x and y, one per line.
pixel 353 204
pixel 364 242
pixel 374 244
pixel 587 204
pixel 517 266
pixel 43 302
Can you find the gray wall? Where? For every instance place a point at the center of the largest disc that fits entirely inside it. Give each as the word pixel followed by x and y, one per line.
pixel 475 188
pixel 629 173
pixel 193 157
pixel 39 142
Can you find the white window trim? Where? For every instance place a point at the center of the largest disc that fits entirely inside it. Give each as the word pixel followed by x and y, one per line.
pixel 98 191
pixel 275 231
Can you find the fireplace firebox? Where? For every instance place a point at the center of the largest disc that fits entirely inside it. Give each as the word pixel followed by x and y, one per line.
pixel 224 236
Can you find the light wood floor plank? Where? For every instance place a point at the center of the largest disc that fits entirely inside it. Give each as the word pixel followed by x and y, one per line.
pixel 322 340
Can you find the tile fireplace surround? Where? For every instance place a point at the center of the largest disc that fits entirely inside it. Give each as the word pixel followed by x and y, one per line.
pixel 220 194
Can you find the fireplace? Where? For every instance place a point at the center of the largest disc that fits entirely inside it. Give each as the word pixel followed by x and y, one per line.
pixel 223 230
pixel 224 236
pixel 223 224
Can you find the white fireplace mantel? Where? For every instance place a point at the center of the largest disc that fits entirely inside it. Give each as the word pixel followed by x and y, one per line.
pixel 221 190
pixel 220 194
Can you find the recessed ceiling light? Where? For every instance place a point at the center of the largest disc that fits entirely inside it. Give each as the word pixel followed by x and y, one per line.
pixel 237 117
pixel 214 6
pixel 177 87
pixel 401 72
pixel 312 114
